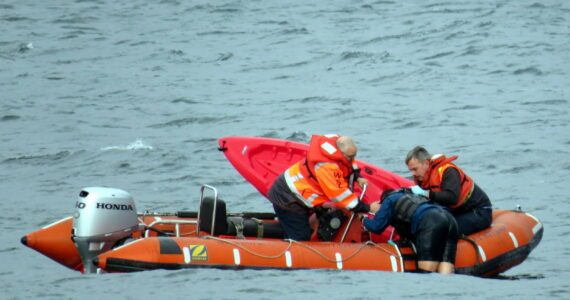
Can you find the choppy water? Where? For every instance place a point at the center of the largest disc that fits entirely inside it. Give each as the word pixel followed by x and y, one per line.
pixel 135 94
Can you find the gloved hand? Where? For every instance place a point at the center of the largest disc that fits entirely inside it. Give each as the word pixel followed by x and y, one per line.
pixel 361 207
pixel 419 191
pixel 362 181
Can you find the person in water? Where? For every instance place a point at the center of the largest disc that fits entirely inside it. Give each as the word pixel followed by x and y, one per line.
pixel 429 226
pixel 323 177
pixel 444 183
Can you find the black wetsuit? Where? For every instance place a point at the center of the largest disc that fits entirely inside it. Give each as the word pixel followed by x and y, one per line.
pixel 430 226
pixel 475 214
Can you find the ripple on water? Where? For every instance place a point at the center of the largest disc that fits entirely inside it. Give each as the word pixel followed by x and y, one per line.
pixel 40 159
pixel 9 118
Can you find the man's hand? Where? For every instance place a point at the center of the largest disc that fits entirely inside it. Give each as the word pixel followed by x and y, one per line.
pixel 374 207
pixel 362 181
pixel 419 191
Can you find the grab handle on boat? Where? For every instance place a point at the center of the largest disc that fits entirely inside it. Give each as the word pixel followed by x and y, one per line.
pixel 363 191
pixel 205 186
pixel 352 215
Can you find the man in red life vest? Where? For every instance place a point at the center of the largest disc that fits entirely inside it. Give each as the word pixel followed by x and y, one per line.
pixel 325 176
pixel 444 183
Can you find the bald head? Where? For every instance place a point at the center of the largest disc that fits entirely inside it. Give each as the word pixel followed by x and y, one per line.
pixel 347 146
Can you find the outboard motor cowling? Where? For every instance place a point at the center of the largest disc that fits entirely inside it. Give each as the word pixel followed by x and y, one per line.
pixel 103 217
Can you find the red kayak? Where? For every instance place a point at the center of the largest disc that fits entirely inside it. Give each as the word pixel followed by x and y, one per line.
pixel 261 160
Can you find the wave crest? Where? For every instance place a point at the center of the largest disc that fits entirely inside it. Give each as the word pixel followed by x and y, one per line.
pixel 136 145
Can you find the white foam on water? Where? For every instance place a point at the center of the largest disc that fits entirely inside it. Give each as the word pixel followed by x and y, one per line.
pixel 138 144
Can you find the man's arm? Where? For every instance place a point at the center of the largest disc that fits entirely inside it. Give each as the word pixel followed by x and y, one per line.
pixel 381 218
pixel 336 189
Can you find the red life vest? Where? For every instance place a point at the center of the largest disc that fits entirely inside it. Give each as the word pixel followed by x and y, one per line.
pixel 434 176
pixel 323 176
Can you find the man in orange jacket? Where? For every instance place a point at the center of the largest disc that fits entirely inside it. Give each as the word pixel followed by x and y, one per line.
pixel 444 183
pixel 325 176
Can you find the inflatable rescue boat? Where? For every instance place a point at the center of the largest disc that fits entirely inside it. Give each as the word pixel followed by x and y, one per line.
pixel 107 234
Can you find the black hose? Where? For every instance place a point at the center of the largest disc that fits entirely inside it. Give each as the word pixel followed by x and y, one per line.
pixel 160 232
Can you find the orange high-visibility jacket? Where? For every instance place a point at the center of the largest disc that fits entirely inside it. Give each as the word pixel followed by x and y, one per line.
pixel 432 181
pixel 323 176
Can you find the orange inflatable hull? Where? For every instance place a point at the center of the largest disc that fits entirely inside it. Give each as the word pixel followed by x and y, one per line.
pixel 487 253
pixel 54 240
pixel 508 241
pixel 176 253
pixel 504 245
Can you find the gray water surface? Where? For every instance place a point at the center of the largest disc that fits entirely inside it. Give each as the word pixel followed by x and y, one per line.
pixel 134 95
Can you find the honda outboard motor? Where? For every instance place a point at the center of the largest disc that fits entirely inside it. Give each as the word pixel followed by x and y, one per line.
pixel 103 217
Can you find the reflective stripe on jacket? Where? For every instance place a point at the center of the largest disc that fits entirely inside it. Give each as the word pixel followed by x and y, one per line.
pixel 434 176
pixel 324 176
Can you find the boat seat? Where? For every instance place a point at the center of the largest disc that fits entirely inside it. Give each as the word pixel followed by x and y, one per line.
pixel 250 225
pixel 206 216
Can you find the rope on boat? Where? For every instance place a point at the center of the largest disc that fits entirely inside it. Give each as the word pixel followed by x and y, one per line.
pixel 249 251
pixel 191 233
pixel 291 242
pixel 368 243
pixel 382 248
